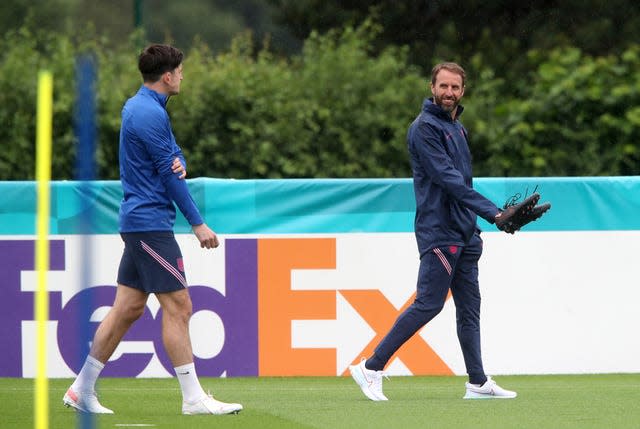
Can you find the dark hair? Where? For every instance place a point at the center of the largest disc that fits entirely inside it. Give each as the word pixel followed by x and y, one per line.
pixel 452 67
pixel 155 60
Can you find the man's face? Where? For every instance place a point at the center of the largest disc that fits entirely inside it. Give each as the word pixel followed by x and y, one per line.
pixel 448 90
pixel 174 79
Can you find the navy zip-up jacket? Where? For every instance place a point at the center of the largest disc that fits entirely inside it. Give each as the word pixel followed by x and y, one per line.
pixel 147 150
pixel 446 203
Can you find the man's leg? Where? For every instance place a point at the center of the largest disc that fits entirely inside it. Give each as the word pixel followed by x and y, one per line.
pixel 127 307
pixel 465 290
pixel 466 294
pixel 434 277
pixel 176 312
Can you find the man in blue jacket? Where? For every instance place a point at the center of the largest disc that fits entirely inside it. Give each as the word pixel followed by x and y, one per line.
pixel 152 172
pixel 448 238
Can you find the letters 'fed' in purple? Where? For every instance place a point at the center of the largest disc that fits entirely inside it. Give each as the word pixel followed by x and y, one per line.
pixel 237 308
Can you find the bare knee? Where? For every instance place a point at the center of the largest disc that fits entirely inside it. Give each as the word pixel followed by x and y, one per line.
pixel 129 304
pixel 181 312
pixel 129 312
pixel 177 306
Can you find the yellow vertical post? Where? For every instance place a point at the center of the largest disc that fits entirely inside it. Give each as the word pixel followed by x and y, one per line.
pixel 43 178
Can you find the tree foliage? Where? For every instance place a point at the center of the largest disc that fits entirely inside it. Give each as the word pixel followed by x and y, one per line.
pixel 458 29
pixel 23 55
pixel 334 111
pixel 183 23
pixel 339 109
pixel 578 115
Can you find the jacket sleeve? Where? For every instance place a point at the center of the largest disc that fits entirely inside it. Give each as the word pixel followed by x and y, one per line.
pixel 163 150
pixel 426 141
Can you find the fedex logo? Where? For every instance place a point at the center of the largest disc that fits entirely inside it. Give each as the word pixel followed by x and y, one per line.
pixel 288 308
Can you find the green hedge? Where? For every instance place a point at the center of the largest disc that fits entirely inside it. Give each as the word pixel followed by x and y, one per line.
pixel 573 115
pixel 336 110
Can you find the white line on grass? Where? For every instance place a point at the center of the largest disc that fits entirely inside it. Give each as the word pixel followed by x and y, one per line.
pixel 134 425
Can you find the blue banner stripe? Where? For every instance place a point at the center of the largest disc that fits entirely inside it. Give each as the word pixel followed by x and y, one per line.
pixel 292 206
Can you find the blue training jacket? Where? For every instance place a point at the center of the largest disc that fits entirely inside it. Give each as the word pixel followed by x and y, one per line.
pixel 147 150
pixel 446 203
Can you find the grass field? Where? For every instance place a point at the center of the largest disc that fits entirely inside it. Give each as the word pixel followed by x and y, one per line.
pixel 572 401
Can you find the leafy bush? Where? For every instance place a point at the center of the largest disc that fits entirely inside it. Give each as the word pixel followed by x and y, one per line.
pixel 577 116
pixel 336 110
pixel 24 55
pixel 332 112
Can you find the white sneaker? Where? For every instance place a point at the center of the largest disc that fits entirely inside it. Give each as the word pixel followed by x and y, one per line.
pixel 369 381
pixel 86 402
pixel 489 390
pixel 209 405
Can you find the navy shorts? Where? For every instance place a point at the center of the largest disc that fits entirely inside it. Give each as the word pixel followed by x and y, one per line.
pixel 152 262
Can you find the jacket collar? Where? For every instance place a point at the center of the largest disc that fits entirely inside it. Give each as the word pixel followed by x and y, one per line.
pixel 160 98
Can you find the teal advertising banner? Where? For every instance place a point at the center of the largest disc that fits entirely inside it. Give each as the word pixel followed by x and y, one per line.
pixel 294 206
pixel 310 272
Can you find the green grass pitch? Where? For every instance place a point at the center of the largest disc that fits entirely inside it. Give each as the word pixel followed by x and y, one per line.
pixel 609 401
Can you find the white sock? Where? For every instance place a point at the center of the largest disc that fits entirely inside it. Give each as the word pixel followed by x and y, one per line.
pixel 189 383
pixel 86 380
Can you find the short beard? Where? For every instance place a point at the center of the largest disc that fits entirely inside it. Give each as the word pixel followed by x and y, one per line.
pixel 454 106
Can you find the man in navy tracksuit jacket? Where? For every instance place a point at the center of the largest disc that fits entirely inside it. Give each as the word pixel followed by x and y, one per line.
pixel 448 237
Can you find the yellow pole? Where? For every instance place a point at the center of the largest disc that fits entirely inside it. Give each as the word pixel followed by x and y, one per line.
pixel 43 177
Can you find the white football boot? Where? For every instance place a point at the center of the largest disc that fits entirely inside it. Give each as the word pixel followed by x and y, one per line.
pixel 209 405
pixel 369 381
pixel 86 402
pixel 489 390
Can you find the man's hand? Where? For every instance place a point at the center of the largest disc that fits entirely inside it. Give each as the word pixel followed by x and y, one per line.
pixel 178 168
pixel 207 238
